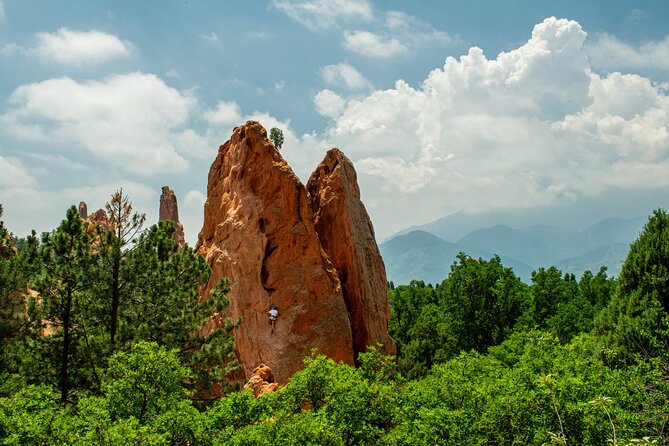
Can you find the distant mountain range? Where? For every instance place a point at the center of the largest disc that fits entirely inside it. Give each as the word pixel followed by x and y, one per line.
pixel 427 255
pixel 424 256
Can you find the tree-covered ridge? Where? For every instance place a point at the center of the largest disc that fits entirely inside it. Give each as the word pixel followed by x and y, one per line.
pixel 482 358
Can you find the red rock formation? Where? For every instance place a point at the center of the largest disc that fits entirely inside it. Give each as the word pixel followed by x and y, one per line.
pixel 169 210
pixel 101 218
pixel 259 231
pixel 261 381
pixel 347 236
pixel 83 210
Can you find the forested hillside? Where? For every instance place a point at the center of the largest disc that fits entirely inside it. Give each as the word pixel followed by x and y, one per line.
pixel 98 329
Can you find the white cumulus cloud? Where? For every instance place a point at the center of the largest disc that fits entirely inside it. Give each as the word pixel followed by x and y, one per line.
pixel 14 174
pixel 345 76
pixel 32 207
pixel 413 30
pixel 133 122
pixel 609 53
pixel 224 114
pixel 77 48
pixel 401 33
pixel 328 103
pixel 191 213
pixel 370 44
pixel 532 127
pixel 195 199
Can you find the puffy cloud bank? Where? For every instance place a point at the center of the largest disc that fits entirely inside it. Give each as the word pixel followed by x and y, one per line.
pixel 131 121
pixel 532 127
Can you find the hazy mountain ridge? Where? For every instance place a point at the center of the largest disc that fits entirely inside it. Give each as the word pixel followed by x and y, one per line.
pixel 611 256
pixel 422 255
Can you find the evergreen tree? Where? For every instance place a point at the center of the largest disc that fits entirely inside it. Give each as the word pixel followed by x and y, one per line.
pixel 163 306
pixel 646 268
pixel 17 267
pixel 14 276
pixel 124 226
pixel 5 239
pixel 637 320
pixel 66 256
pixel 276 136
pixel 17 304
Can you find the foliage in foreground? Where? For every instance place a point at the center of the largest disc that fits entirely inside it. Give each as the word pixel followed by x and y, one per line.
pixel 527 391
pixel 559 361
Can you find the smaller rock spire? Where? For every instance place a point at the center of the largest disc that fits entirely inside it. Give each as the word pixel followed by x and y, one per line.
pixel 169 210
pixel 83 210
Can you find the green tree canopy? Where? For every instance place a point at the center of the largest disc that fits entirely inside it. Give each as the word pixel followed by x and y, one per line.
pixel 66 256
pixel 124 225
pixel 484 299
pixel 276 136
pixel 144 381
pixel 476 307
pixel 17 267
pixel 637 320
pixel 164 306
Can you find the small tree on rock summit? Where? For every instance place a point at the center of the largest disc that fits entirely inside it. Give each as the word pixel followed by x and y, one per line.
pixel 276 136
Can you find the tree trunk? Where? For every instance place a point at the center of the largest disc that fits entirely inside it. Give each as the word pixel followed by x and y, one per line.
pixel 66 348
pixel 115 299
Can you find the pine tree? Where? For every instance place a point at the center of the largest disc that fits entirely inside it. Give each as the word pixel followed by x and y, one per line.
pixel 16 269
pixel 66 259
pixel 124 226
pixel 637 319
pixel 164 306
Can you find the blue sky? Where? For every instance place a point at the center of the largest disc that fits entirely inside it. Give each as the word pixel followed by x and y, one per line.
pixel 442 106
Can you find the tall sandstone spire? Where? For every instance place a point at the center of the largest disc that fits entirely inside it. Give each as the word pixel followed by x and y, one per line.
pixel 260 231
pixel 346 233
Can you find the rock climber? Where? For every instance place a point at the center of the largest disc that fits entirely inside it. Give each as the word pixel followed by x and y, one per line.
pixel 273 315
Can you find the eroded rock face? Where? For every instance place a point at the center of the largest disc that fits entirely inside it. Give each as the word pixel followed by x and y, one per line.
pixel 347 236
pixel 169 210
pixel 259 231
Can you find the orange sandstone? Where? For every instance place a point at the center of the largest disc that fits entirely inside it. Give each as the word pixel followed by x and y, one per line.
pixel 346 233
pixel 259 232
